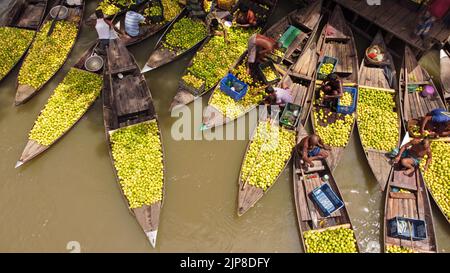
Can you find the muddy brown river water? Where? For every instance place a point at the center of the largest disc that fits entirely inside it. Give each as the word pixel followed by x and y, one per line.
pixel 70 193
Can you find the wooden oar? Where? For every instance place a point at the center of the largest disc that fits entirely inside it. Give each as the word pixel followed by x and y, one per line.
pixel 52 27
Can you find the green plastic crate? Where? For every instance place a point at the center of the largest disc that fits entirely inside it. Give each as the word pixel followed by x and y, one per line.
pixel 289 36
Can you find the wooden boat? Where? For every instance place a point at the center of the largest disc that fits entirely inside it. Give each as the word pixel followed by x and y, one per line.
pixel 337 40
pixel 297 54
pixel 128 102
pixel 262 9
pixel 414 106
pixel 75 15
pixel 149 29
pixel 309 216
pixel 25 15
pixel 162 54
pixel 33 148
pixel 374 76
pixel 445 72
pixel 412 204
pixel 302 91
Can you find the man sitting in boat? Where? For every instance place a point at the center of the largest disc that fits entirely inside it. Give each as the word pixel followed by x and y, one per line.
pixel 278 96
pixel 259 46
pixel 332 89
pixel 437 123
pixel 245 16
pixel 412 153
pixel 309 149
pixel 132 21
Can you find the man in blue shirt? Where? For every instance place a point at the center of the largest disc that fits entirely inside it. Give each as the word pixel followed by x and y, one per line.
pixel 437 122
pixel 132 20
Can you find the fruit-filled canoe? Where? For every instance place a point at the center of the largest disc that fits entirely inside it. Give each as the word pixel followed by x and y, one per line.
pixel 437 177
pixel 18 32
pixel 71 99
pixel 270 148
pixel 414 83
pixel 48 53
pixel 159 14
pixel 378 118
pixel 183 35
pixel 222 109
pixel 414 80
pixel 216 56
pixel 316 227
pixel 134 138
pixel 407 197
pixel 335 129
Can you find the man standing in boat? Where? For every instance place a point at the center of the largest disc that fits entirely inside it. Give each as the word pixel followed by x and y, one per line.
pixel 332 89
pixel 437 123
pixel 309 149
pixel 105 30
pixel 411 154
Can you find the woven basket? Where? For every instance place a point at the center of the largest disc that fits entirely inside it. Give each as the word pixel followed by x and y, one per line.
pixel 372 61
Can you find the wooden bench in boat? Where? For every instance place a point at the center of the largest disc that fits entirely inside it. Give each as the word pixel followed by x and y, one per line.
pixel 405 182
pixel 31 16
pixel 343 52
pixel 119 61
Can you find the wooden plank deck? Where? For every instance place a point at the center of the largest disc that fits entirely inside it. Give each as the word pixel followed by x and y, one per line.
pixel 396 19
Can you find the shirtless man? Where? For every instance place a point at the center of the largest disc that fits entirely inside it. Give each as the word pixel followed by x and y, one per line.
pixel 259 46
pixel 309 149
pixel 412 153
pixel 332 88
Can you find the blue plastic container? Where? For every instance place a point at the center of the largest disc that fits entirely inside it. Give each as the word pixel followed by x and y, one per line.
pixel 230 81
pixel 326 199
pixel 348 109
pixel 407 228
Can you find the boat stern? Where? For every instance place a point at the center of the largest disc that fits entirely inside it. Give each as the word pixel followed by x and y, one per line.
pixel 146 68
pixel 23 94
pixel 151 235
pixel 180 99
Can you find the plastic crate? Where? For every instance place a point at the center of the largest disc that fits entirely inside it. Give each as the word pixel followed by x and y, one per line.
pixel 289 117
pixel 231 81
pixel 261 68
pixel 407 228
pixel 326 60
pixel 156 18
pixel 348 109
pixel 194 91
pixel 326 199
pixel 289 36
